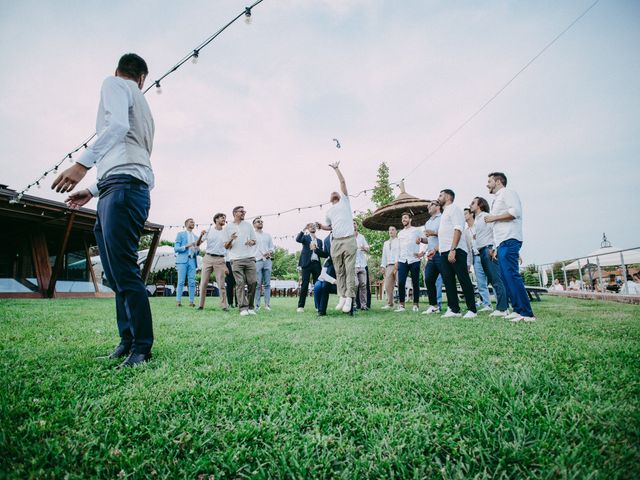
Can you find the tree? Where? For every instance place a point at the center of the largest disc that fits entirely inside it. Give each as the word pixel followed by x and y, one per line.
pixel 284 264
pixel 382 192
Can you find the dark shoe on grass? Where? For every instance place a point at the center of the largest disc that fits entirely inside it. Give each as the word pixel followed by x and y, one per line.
pixel 135 359
pixel 120 352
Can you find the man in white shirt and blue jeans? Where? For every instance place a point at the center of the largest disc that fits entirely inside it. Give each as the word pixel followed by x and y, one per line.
pixel 121 155
pixel 264 264
pixel 409 257
pixel 506 217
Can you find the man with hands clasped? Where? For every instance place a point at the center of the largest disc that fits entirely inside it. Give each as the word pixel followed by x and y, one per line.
pixel 240 240
pixel 309 261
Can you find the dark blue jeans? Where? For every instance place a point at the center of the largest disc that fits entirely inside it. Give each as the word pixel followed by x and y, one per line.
pixel 433 281
pixel 508 259
pixel 321 291
pixel 123 207
pixel 492 271
pixel 460 270
pixel 309 273
pixel 403 270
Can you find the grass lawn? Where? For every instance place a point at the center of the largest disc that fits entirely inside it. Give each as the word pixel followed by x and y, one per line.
pixel 286 395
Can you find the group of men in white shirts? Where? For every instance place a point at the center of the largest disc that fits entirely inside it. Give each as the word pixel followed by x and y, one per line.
pixel 490 243
pixel 237 247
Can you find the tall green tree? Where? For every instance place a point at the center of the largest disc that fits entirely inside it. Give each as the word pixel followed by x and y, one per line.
pixel 382 192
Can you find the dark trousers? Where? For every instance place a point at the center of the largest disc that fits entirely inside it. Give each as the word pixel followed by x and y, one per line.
pixel 323 290
pixel 508 255
pixel 405 269
pixel 230 286
pixel 311 271
pixel 123 207
pixel 492 271
pixel 431 272
pixel 460 270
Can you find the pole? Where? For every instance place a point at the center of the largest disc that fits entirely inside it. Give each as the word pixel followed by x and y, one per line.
pixel 564 272
pixel 624 275
pixel 580 274
pixel 599 274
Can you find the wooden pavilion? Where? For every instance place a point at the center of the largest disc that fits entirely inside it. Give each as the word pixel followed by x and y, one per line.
pixel 47 249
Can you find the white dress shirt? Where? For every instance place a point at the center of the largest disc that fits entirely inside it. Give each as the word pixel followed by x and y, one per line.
pixel 215 242
pixel 433 224
pixel 340 217
pixel 482 231
pixel 390 252
pixel 452 220
pixel 407 247
pixel 507 201
pixel 264 245
pixel 361 256
pixel 125 129
pixel 244 232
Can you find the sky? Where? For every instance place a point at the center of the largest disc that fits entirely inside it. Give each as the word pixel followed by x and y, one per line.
pixel 252 122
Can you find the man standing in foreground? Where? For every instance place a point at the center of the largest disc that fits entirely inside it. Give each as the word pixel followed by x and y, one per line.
pixel 506 217
pixel 343 245
pixel 121 153
pixel 240 239
pixel 264 264
pixel 213 260
pixel 454 257
pixel 187 252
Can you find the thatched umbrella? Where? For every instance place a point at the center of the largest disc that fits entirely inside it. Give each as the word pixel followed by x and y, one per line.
pixel 391 214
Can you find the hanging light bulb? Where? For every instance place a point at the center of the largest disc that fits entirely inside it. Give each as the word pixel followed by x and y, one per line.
pixel 247 15
pixel 70 158
pixel 194 57
pixel 158 87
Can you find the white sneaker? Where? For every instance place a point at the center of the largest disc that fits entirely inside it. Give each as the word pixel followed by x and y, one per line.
pixel 430 310
pixel 450 314
pixel 347 305
pixel 513 315
pixel 399 309
pixel 244 313
pixel 251 312
pixel 470 314
pixel 486 308
pixel 528 319
pixel 300 310
pixel 387 307
pixel 499 313
pixel 267 308
pixel 341 303
pixel 516 319
pixel 415 308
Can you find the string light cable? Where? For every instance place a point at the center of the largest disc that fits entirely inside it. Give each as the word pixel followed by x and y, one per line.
pixel 193 55
pixel 502 89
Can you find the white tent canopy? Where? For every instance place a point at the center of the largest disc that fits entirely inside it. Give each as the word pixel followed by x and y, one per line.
pixel 164 258
pixel 608 257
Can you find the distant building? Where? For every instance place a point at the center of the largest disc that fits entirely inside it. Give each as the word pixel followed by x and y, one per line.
pixel 48 250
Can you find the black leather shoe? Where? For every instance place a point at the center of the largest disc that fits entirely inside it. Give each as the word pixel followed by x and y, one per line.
pixel 120 352
pixel 135 359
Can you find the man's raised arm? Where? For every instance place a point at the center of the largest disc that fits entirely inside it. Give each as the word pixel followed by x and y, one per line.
pixel 343 184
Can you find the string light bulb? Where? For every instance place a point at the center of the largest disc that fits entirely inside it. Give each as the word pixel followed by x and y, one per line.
pixel 247 15
pixel 194 57
pixel 70 157
pixel 158 87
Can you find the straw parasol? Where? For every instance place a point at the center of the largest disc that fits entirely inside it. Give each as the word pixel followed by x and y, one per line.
pixel 390 215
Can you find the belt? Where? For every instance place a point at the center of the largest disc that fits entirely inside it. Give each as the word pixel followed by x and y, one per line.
pixel 490 247
pixel 343 238
pixel 214 255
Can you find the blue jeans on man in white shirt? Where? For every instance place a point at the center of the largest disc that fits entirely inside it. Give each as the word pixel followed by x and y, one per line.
pixel 508 259
pixel 263 276
pixel 481 279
